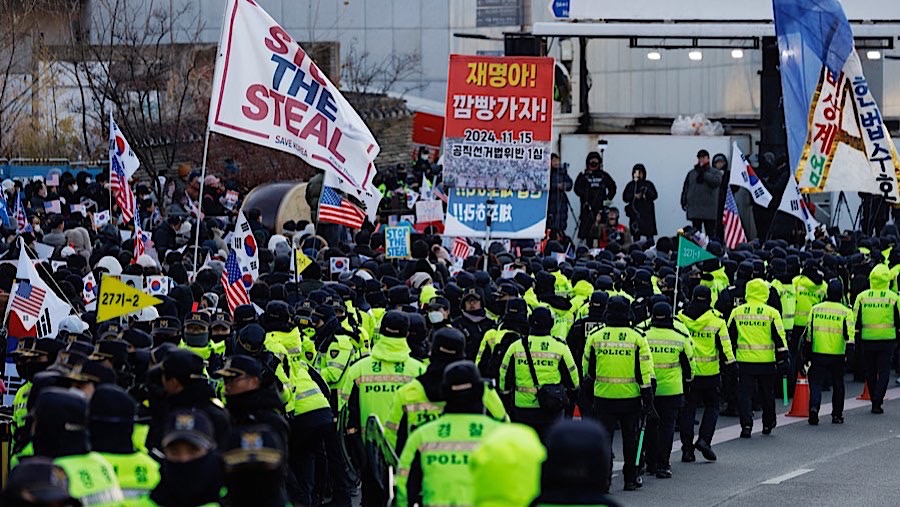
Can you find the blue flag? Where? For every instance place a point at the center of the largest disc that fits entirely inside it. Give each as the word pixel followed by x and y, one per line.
pixel 810 33
pixel 837 140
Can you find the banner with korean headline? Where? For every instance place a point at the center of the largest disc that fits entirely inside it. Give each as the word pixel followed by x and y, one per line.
pixel 498 122
pixel 268 91
pixel 837 138
pixel 514 214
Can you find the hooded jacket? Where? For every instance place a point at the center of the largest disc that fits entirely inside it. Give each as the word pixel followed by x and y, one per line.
pixel 511 455
pixel 757 291
pixel 880 278
pixel 876 320
pixel 421 401
pixel 809 289
pixel 369 384
pixel 756 327
pixel 710 338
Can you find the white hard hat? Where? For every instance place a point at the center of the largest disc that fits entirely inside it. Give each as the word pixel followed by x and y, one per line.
pixel 111 264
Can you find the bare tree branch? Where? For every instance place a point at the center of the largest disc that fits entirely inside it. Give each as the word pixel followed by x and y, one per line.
pixel 135 72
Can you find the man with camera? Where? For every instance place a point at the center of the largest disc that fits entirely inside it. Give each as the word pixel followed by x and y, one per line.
pixel 596 189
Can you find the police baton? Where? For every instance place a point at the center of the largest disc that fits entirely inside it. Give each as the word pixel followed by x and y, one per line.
pixel 637 457
pixel 784 389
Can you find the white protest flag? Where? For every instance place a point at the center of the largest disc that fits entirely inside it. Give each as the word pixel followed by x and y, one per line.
pixel 33 301
pixel 411 197
pixel 121 150
pixel 792 203
pixel 101 218
pixel 78 208
pixel 743 175
pixel 157 285
pixel 268 91
pixel 427 194
pixel 90 289
pixel 244 245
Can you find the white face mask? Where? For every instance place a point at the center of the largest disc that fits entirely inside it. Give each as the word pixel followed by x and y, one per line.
pixel 435 317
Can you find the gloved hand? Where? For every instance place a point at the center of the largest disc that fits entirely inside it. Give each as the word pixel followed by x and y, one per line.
pixel 804 368
pixel 732 369
pixel 687 388
pixel 851 353
pixel 782 362
pixel 647 408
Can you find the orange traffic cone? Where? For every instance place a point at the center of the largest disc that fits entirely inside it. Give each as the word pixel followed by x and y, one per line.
pixel 865 394
pixel 800 405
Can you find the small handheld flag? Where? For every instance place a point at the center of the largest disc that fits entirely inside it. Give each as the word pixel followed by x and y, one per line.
pixel 689 253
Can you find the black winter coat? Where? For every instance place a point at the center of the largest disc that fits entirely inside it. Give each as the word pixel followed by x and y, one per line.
pixel 641 212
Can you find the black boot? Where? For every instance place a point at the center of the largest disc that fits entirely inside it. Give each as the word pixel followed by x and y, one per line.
pixel 687 456
pixel 813 417
pixel 631 486
pixel 705 449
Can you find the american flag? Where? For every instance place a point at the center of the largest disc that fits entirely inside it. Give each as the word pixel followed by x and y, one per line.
pixel 28 300
pixel 138 236
pixel 439 193
pixel 119 184
pixel 22 224
pixel 335 209
pixel 235 291
pixel 462 249
pixel 734 229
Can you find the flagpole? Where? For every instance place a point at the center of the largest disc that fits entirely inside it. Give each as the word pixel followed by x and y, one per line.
pixel 200 199
pixel 110 168
pixel 675 297
pixel 487 233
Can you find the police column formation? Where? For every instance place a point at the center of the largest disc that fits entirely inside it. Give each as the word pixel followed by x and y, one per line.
pixel 527 371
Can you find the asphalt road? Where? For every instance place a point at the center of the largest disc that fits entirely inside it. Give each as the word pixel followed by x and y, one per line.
pixel 850 464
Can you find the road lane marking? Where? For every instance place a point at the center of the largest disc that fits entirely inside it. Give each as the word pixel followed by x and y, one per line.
pixel 732 432
pixel 788 476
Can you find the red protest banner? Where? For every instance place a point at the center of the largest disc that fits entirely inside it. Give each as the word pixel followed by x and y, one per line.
pixel 498 122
